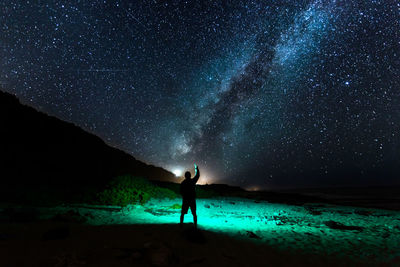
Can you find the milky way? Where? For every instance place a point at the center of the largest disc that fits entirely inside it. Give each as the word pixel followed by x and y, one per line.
pixel 281 94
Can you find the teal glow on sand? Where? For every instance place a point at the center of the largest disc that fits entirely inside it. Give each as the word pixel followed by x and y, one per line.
pixel 309 228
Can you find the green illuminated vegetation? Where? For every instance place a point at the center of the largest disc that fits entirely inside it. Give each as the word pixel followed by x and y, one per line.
pixel 124 190
pixel 127 189
pixel 176 206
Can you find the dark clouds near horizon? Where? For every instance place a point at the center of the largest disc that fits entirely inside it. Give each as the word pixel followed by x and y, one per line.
pixel 282 94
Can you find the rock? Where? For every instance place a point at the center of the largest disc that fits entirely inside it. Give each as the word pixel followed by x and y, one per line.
pixel 281 220
pixel 207 206
pixel 342 212
pixel 363 212
pixel 312 210
pixel 252 235
pixel 128 209
pixel 160 212
pixel 340 226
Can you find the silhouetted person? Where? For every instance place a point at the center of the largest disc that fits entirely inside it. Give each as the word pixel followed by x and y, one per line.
pixel 188 192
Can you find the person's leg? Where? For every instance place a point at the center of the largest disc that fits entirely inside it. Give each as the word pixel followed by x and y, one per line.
pixel 181 221
pixel 193 209
pixel 185 208
pixel 195 220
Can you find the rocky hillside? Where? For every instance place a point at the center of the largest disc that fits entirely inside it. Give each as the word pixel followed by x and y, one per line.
pixel 41 150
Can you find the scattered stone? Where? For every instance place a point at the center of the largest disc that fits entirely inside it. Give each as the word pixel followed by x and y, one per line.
pixel 252 235
pixel 364 212
pixel 207 206
pixel 343 212
pixel 128 209
pixel 314 212
pixel 160 212
pixel 281 220
pixel 340 226
pixel 56 234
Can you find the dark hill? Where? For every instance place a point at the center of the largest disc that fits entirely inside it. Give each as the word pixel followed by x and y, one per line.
pixel 41 150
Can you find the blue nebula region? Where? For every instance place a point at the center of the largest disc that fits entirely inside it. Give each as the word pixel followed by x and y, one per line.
pixel 270 94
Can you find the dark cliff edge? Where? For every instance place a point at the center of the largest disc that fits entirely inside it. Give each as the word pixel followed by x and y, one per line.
pixel 38 150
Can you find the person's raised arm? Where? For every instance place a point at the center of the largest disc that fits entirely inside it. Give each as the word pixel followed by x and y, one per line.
pixel 197 173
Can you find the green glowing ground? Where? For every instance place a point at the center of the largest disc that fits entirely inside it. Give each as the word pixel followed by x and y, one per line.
pixel 358 233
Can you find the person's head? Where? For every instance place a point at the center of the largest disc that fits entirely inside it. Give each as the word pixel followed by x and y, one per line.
pixel 188 175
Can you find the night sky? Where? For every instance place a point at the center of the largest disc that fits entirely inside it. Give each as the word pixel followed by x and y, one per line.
pixel 262 94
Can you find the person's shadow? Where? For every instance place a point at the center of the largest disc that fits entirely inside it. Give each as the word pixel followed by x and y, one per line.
pixel 194 235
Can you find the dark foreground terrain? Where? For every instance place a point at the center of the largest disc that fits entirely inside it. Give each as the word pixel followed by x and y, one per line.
pixel 48 243
pixel 232 231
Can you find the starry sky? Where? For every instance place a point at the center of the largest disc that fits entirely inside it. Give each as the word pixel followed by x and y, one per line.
pixel 261 94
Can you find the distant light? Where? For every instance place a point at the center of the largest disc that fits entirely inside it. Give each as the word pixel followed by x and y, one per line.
pixel 252 188
pixel 177 172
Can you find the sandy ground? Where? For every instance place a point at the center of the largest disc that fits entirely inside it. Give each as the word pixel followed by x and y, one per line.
pixel 48 243
pixel 232 231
